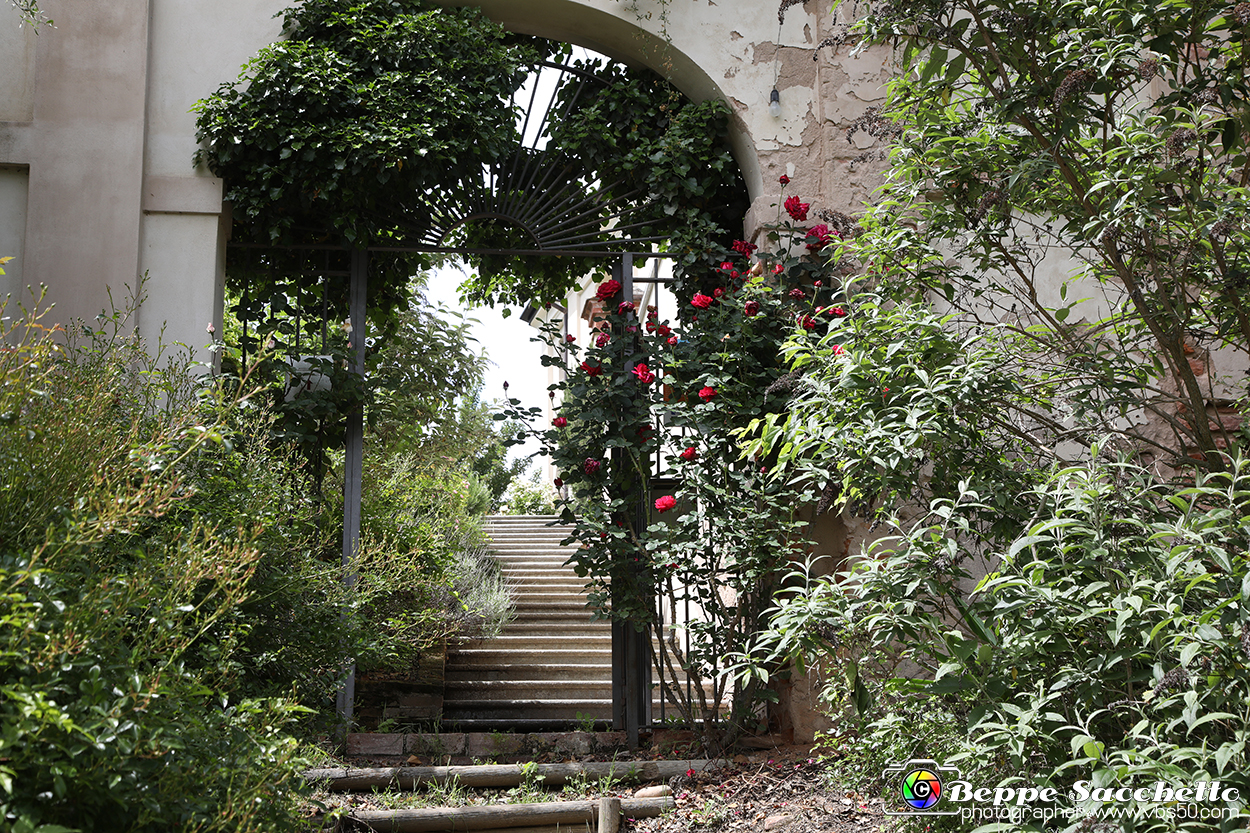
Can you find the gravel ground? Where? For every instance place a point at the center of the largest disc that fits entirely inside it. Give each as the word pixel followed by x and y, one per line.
pixel 786 791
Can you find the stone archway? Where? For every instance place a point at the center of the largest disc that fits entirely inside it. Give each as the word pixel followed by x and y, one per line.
pixel 689 59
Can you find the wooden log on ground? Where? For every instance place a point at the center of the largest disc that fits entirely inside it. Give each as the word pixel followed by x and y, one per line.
pixel 429 819
pixel 496 775
pixel 609 815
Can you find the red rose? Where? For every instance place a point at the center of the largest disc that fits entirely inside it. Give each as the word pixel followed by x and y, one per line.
pixel 837 312
pixel 602 339
pixel 608 290
pixel 719 291
pixel 559 422
pixel 726 266
pixel 570 339
pixel 818 237
pixel 650 326
pixel 751 308
pixel 784 180
pixel 672 341
pixel 797 294
pixel 592 369
pixel 663 330
pixel 665 503
pixel 838 350
pixel 778 269
pixel 701 301
pixel 624 307
pixel 689 454
pixel 644 374
pixel 808 322
pixel 559 483
pixel 707 393
pixel 744 248
pixel 646 432
pixel 591 466
pixel 796 209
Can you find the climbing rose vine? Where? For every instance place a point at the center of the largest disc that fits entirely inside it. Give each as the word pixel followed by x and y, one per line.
pixel 681 390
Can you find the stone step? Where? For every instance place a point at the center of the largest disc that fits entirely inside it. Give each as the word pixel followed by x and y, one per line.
pixel 496 690
pixel 546 584
pixel 487 657
pixel 569 709
pixel 520 643
pixel 565 709
pixel 566 602
pixel 533 671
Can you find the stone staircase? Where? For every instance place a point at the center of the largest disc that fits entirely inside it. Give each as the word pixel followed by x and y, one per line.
pixel 552 665
pixel 551 668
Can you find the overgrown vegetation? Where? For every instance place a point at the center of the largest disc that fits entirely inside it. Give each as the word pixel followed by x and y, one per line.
pixel 173 615
pixel 1052 465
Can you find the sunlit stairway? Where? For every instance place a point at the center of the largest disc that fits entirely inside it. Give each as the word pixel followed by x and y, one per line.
pixel 551 668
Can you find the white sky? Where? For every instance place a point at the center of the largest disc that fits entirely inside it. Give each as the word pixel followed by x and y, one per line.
pixel 505 341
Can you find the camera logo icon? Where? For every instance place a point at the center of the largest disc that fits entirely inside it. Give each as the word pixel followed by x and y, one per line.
pixel 914 787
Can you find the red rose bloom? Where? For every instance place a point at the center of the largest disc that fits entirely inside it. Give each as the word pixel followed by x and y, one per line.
pixel 818 237
pixel 719 291
pixel 783 179
pixel 701 301
pixel 624 307
pixel 570 339
pixel 559 483
pixel 665 503
pixel 608 289
pixel 651 326
pixel 837 312
pixel 591 466
pixel 663 330
pixel 707 393
pixel 838 350
pixel 744 248
pixel 689 454
pixel 797 294
pixel 592 369
pixel 644 374
pixel 796 209
pixel 751 308
pixel 646 432
pixel 559 422
pixel 726 266
pixel 808 322
pixel 778 269
pixel 672 341
pixel 602 339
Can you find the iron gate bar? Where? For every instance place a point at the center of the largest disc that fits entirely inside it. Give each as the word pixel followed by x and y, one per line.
pixel 353 465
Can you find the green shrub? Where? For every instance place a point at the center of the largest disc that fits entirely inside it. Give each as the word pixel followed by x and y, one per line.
pixel 120 605
pixel 1109 641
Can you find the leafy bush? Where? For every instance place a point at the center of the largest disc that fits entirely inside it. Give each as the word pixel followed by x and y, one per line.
pixel 120 605
pixel 529 497
pixel 1108 641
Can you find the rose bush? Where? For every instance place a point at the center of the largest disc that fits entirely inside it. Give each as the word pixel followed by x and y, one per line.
pixel 678 391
